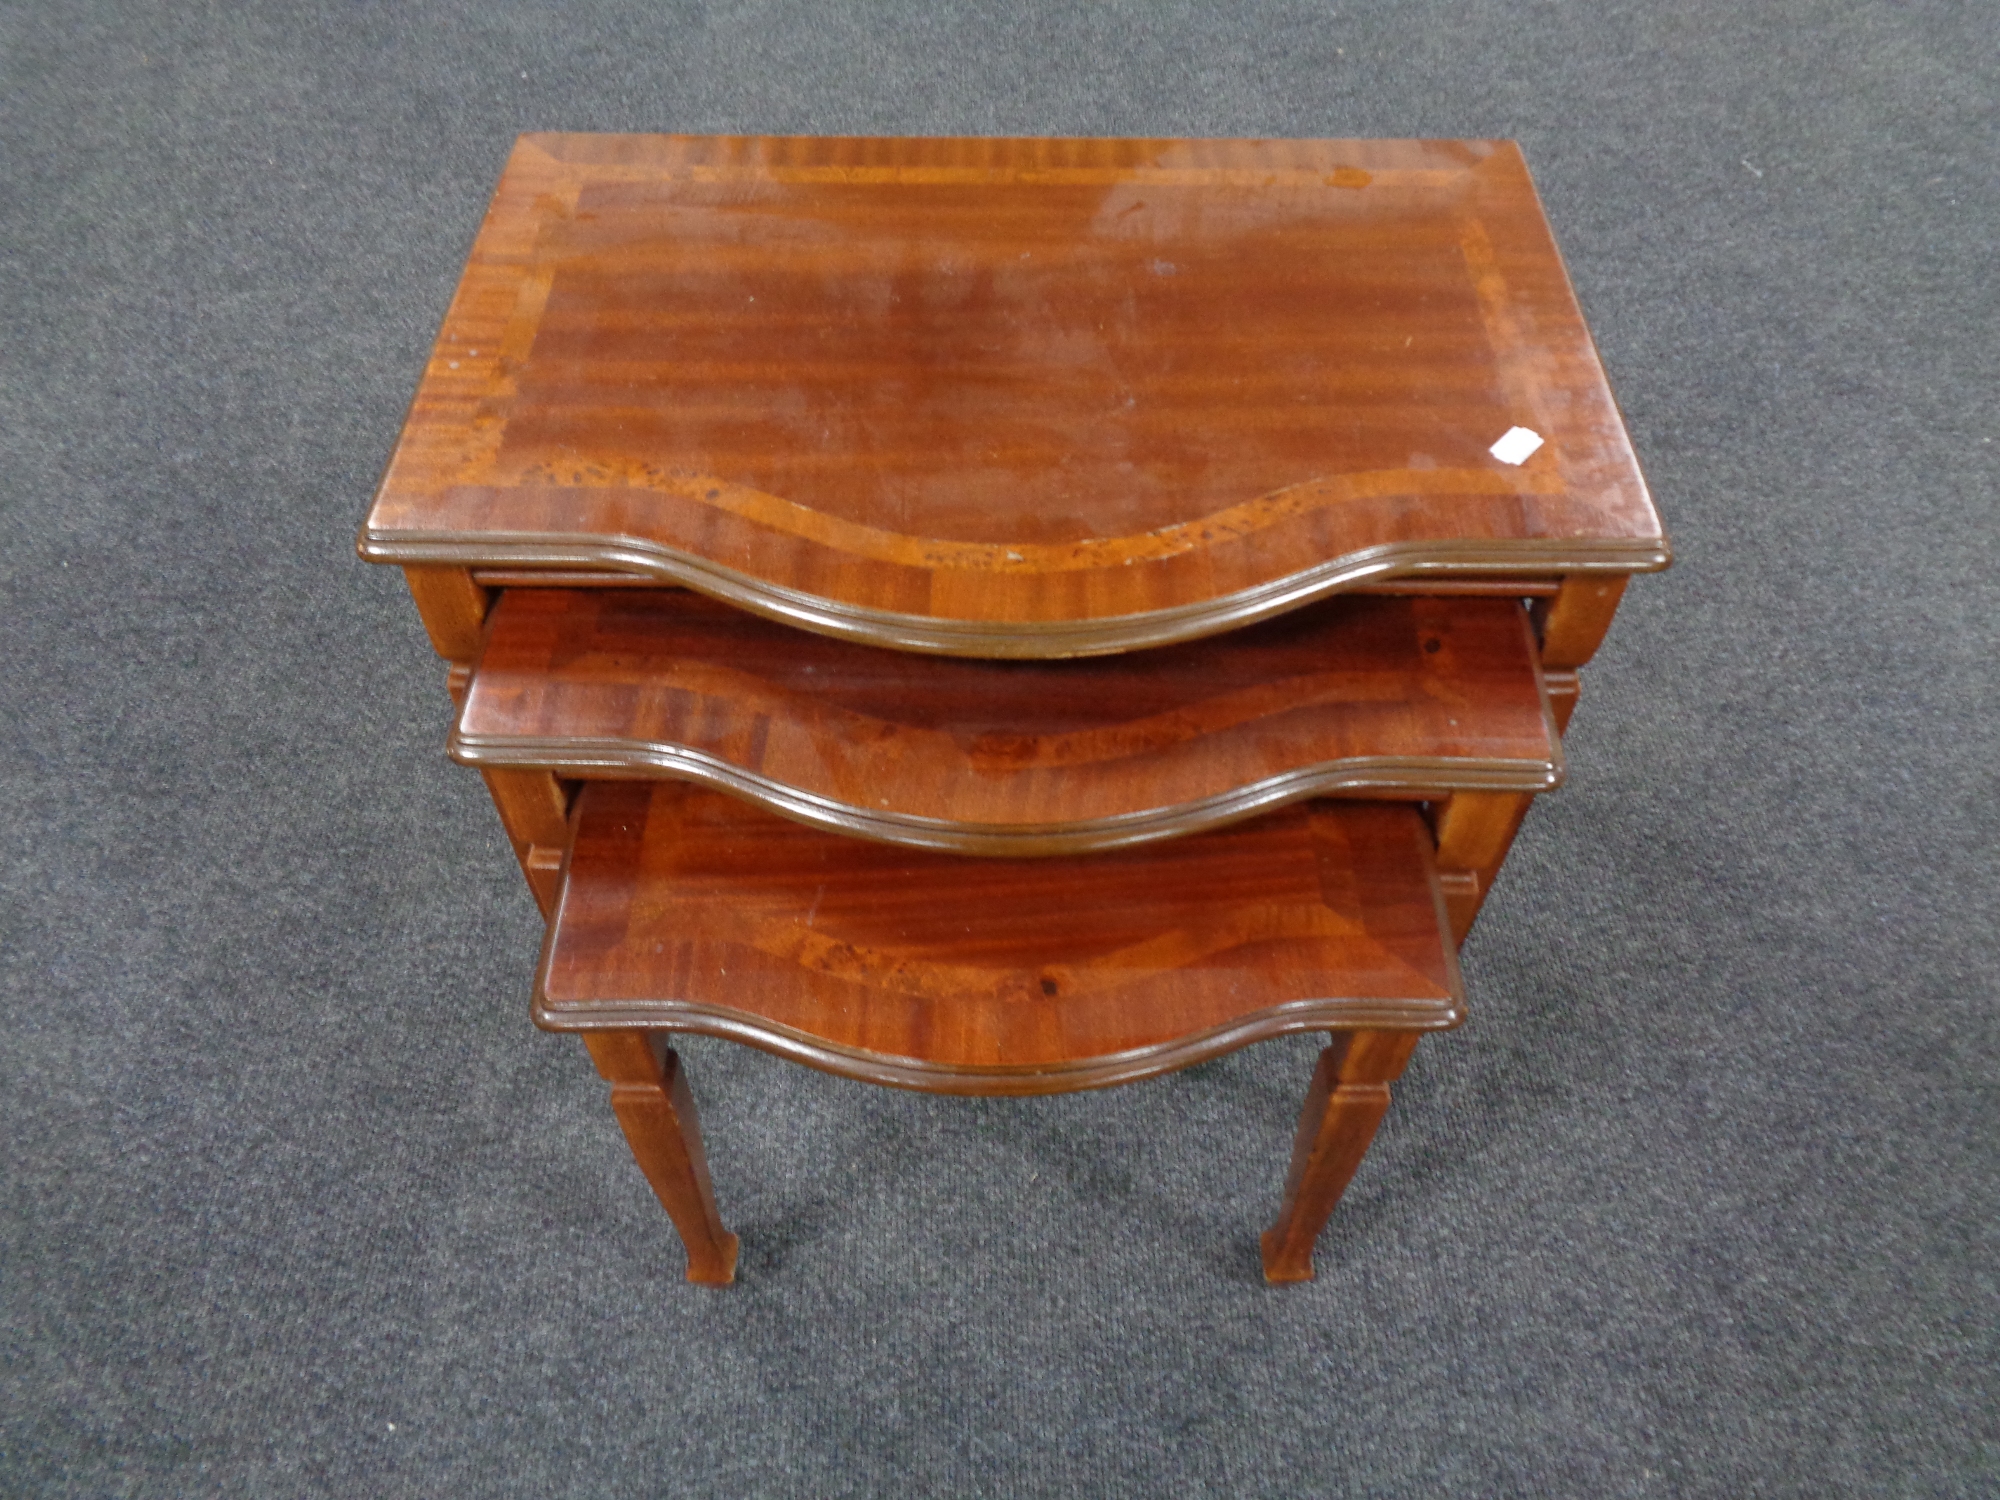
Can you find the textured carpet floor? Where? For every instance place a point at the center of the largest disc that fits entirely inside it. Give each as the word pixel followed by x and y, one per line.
pixel 1702 1200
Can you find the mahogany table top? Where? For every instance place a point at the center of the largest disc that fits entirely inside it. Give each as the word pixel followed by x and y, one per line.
pixel 686 910
pixel 1411 697
pixel 1013 397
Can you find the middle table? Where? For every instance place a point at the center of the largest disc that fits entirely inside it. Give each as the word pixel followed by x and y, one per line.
pixel 1398 697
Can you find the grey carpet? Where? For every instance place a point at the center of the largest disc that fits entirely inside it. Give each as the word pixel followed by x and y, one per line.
pixel 1702 1200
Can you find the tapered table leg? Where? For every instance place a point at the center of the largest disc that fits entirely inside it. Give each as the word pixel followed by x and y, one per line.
pixel 650 1096
pixel 1348 1097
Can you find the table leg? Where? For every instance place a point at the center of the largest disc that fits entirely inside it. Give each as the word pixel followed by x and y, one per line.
pixel 1563 690
pixel 1474 832
pixel 1348 1097
pixel 532 804
pixel 452 607
pixel 650 1096
pixel 534 809
pixel 1570 627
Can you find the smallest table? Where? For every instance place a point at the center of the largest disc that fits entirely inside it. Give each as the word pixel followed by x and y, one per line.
pixel 685 910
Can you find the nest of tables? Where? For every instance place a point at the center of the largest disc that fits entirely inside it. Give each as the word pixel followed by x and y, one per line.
pixel 1011 616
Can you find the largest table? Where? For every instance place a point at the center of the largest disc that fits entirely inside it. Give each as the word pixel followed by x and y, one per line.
pixel 1002 399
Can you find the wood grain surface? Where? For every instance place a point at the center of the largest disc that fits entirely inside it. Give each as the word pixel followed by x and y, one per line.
pixel 686 910
pixel 1396 696
pixel 1013 397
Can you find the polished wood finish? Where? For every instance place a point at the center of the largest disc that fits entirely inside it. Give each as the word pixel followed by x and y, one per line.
pixel 685 910
pixel 650 1096
pixel 1346 1102
pixel 1014 397
pixel 1389 696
